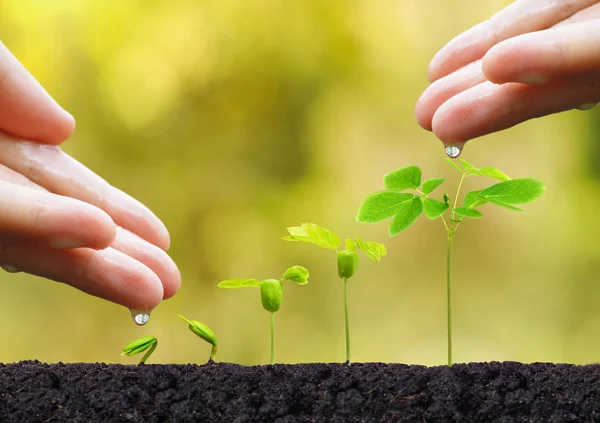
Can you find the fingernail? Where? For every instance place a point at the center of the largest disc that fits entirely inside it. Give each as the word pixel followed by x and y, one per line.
pixel 532 78
pixel 65 243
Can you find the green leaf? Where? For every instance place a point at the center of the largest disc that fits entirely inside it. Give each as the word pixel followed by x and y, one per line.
pixel 405 178
pixel 430 184
pixel 466 212
pixel 373 250
pixel 314 234
pixel 494 173
pixel 505 205
pixel 406 216
pixel 515 191
pixel 296 274
pixel 140 345
pixel 381 205
pixel 201 330
pixel 469 168
pixel 473 199
pixel 454 165
pixel 238 283
pixel 434 208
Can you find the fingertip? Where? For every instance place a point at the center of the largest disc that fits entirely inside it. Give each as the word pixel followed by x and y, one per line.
pixel 423 114
pixel 174 281
pixel 62 127
pixel 448 120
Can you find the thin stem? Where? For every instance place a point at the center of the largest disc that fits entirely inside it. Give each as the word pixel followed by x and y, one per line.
pixel 448 299
pixel 347 320
pixel 462 178
pixel 272 338
pixel 213 353
pixel 149 352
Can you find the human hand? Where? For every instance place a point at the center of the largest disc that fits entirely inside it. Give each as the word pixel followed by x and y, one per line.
pixel 534 58
pixel 61 221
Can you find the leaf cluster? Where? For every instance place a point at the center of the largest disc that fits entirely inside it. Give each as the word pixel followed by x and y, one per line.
pixel 314 234
pixel 405 207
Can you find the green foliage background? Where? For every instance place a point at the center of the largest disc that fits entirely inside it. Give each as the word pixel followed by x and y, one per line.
pixel 235 119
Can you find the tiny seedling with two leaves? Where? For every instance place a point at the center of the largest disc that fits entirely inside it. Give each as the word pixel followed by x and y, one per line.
pixel 150 343
pixel 271 293
pixel 405 207
pixel 347 260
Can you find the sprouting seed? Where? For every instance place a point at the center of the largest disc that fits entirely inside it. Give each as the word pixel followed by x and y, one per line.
pixel 204 332
pixel 140 345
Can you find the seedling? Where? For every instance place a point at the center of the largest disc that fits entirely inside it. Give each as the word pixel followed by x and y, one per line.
pixel 405 207
pixel 204 332
pixel 140 345
pixel 347 260
pixel 271 293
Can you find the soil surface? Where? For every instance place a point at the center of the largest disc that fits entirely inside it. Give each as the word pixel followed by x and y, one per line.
pixel 372 392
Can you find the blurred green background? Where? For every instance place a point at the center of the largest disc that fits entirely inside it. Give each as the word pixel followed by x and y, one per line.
pixel 234 119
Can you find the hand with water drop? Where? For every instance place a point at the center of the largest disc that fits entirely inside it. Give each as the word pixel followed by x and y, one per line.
pixel 534 58
pixel 61 221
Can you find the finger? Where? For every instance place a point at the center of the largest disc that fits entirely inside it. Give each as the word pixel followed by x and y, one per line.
pixel 57 221
pixel 153 257
pixel 58 172
pixel 592 12
pixel 107 274
pixel 538 57
pixel 518 18
pixel 445 88
pixel 26 109
pixel 126 242
pixel 488 107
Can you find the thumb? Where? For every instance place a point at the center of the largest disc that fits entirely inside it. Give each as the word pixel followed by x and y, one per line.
pixel 26 109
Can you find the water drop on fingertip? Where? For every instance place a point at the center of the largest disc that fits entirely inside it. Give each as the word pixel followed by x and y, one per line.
pixel 9 268
pixel 454 150
pixel 140 319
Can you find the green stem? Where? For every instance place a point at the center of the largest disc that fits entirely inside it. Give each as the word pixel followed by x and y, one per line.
pixel 448 299
pixel 347 320
pixel 149 352
pixel 213 353
pixel 462 178
pixel 272 338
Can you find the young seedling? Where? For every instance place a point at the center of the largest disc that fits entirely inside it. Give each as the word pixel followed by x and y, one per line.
pixel 204 332
pixel 347 260
pixel 406 207
pixel 271 293
pixel 140 345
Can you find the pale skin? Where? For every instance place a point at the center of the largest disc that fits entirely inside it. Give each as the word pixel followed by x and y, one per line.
pixel 61 221
pixel 534 58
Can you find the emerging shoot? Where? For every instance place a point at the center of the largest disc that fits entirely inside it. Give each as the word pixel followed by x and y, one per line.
pixel 140 345
pixel 405 207
pixel 204 332
pixel 347 260
pixel 271 293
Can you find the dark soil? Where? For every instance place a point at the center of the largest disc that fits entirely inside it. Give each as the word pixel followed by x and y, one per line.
pixel 478 392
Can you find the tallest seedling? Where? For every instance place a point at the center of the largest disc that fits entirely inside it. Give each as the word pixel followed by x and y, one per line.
pixel 406 207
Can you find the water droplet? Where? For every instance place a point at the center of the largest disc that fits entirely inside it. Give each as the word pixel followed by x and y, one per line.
pixel 454 150
pixel 140 319
pixel 10 269
pixel 586 106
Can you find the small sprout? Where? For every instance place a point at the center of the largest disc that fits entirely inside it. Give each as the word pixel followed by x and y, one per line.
pixel 204 332
pixel 404 208
pixel 347 260
pixel 140 345
pixel 271 290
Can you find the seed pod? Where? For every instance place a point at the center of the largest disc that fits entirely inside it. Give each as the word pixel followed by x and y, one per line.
pixel 347 262
pixel 271 294
pixel 201 330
